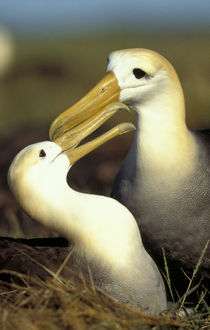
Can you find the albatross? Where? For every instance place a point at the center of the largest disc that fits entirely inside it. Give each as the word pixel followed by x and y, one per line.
pixel 165 178
pixel 104 233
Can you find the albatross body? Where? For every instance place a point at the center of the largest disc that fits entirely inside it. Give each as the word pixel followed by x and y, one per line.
pixel 165 178
pixel 104 233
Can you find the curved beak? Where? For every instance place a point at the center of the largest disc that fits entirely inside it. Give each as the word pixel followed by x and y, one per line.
pixel 69 142
pixel 90 106
pixel 83 118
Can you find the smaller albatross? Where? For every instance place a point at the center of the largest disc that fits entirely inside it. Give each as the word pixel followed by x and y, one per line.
pixel 104 233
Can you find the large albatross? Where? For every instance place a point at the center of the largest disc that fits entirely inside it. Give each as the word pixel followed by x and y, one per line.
pixel 164 179
pixel 104 233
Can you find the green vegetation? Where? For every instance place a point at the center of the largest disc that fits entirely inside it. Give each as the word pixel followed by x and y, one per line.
pixel 48 76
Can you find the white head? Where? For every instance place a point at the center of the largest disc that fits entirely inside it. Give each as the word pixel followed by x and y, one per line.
pixel 38 160
pixel 144 77
pixel 37 171
pixel 140 78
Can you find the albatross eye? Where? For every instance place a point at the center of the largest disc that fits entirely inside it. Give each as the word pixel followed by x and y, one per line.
pixel 42 153
pixel 138 73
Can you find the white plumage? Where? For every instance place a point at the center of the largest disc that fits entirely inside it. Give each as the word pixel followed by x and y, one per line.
pixel 101 228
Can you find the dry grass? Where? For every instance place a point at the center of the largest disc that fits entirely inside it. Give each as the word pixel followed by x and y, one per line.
pixel 54 302
pixel 64 305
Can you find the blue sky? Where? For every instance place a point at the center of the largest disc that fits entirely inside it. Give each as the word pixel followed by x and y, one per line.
pixel 95 15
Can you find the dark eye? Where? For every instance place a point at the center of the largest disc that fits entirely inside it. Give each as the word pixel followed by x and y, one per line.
pixel 138 73
pixel 42 153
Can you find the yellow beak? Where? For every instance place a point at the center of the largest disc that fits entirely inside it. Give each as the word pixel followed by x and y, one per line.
pixel 90 106
pixel 79 121
pixel 69 141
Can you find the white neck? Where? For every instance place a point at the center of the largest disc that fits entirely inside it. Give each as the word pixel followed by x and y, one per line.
pixel 162 142
pixel 98 225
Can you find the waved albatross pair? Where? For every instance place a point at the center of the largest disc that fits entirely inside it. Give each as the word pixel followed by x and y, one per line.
pixel 164 180
pixel 104 233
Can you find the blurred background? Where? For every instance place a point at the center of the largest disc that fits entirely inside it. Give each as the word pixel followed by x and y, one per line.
pixel 53 52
